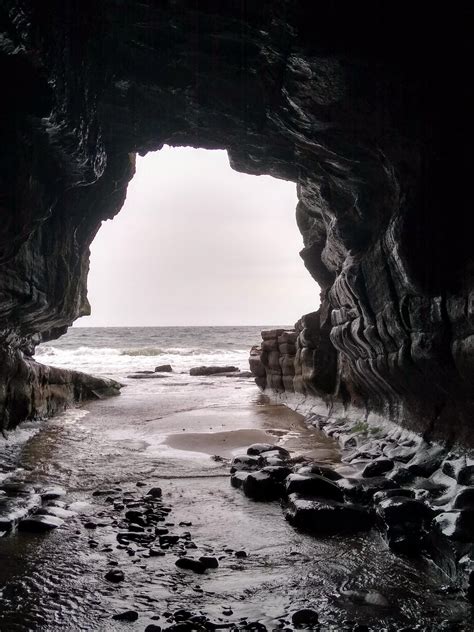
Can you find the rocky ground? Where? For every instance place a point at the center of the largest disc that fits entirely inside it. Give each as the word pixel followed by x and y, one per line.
pixel 147 532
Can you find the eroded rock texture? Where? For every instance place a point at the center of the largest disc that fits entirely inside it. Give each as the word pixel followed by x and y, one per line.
pixel 364 106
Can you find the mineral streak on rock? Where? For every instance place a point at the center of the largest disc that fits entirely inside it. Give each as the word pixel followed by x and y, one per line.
pixel 370 122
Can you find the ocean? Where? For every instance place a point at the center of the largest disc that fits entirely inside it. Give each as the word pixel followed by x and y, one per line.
pixel 118 351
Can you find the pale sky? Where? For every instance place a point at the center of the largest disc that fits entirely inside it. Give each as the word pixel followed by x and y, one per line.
pixel 197 243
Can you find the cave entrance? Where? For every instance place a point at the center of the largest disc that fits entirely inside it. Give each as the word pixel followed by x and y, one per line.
pixel 197 243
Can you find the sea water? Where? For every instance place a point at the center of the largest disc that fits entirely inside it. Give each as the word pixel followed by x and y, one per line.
pixel 116 351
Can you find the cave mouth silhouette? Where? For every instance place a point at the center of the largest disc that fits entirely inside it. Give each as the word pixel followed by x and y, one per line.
pixel 198 243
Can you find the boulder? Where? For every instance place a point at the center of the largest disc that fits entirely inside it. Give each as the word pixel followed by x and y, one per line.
pixel 266 484
pixel 362 490
pixel 164 368
pixel 188 563
pixel 305 617
pixel 259 448
pixel 238 478
pixel 269 334
pixel 40 523
pixel 326 516
pixel 466 475
pixel 245 463
pixel 313 485
pixel 212 370
pixel 321 470
pixel 377 467
pixel 464 499
pixel 456 525
pixel 399 509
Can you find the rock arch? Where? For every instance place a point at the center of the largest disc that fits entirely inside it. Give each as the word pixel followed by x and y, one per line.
pixel 361 106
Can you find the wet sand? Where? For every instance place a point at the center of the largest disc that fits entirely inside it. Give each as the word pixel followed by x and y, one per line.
pixel 167 437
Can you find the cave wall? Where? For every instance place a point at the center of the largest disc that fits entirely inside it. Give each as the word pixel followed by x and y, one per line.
pixel 363 106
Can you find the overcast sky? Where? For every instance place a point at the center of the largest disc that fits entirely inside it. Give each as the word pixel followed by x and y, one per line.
pixel 197 243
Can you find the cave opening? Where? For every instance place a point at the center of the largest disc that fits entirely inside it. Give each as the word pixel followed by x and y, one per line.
pixel 197 243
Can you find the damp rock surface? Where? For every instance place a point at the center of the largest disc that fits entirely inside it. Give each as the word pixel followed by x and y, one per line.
pixel 308 93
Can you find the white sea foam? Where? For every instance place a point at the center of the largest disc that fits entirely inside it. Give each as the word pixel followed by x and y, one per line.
pixel 102 351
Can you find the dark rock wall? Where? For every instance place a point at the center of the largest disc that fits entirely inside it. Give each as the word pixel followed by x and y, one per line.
pixel 361 105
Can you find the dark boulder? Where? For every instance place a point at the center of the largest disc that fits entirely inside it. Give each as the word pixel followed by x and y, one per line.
pixel 377 467
pixel 190 564
pixel 326 516
pixel 321 470
pixel 115 576
pixel 456 525
pixel 390 493
pixel 212 370
pixel 164 368
pixel 238 478
pixel 154 492
pixel 464 499
pixel 40 523
pixel 398 509
pixel 265 484
pixel 257 449
pixel 245 463
pixel 305 616
pixel 466 475
pixel 313 486
pixel 127 615
pixel 363 490
pixel 209 561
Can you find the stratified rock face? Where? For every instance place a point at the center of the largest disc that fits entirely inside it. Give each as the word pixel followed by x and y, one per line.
pixel 360 105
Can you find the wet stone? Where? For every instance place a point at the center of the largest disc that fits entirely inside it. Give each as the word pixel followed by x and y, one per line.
pixel 189 563
pixel 390 493
pixel 209 561
pixel 464 499
pixel 155 492
pixel 377 467
pixel 326 516
pixel 266 484
pixel 127 615
pixel 320 470
pixel 156 552
pixel 399 509
pixel 240 554
pixel 259 448
pixel 238 479
pixel 245 463
pixel 313 486
pixel 115 576
pixel 40 524
pixel 466 475
pixel 363 490
pixel 456 525
pixel 153 628
pixel 305 616
pixel 52 493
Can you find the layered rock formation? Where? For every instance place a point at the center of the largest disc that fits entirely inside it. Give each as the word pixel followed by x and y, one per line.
pixel 360 105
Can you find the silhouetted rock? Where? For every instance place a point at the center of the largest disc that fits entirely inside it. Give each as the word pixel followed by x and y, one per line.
pixel 190 564
pixel 164 368
pixel 213 370
pixel 40 523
